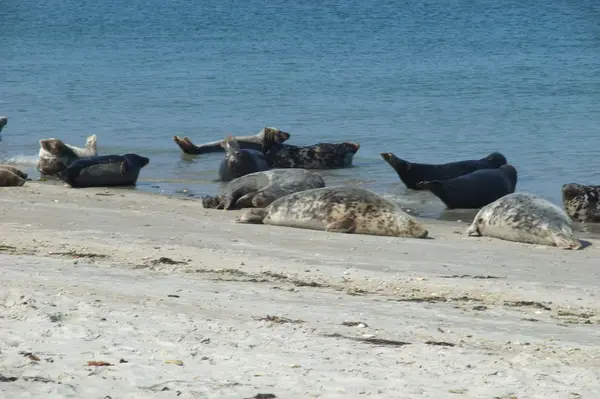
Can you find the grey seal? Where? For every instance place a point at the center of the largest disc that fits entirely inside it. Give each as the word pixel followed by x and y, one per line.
pixel 526 218
pixel 16 171
pixel 239 162
pixel 10 179
pixel 581 202
pixel 55 155
pixel 474 190
pixel 259 189
pixel 338 209
pixel 317 156
pixel 104 171
pixel 412 173
pixel 254 142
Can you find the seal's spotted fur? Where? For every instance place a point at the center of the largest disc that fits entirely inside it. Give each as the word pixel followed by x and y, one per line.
pixel 261 188
pixel 316 156
pixel 527 218
pixel 338 209
pixel 582 202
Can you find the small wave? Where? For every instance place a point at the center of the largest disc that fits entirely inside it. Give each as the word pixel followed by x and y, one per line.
pixel 20 160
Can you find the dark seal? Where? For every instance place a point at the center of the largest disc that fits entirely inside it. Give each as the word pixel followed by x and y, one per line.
pixel 412 173
pixel 3 122
pixel 474 190
pixel 104 170
pixel 581 202
pixel 316 156
pixel 254 142
pixel 261 188
pixel 240 162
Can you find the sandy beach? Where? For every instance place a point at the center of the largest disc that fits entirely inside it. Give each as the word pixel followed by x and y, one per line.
pixel 181 302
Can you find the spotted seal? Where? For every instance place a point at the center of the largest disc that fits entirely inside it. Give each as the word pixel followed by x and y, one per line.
pixel 104 170
pixel 3 122
pixel 412 173
pixel 239 162
pixel 16 171
pixel 254 142
pixel 10 179
pixel 55 155
pixel 316 156
pixel 526 218
pixel 338 209
pixel 261 188
pixel 475 189
pixel 581 202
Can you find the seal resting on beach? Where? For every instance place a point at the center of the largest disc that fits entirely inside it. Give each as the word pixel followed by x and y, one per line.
pixel 526 218
pixel 3 122
pixel 105 170
pixel 338 209
pixel 316 156
pixel 16 171
pixel 261 188
pixel 10 179
pixel 244 142
pixel 239 162
pixel 55 155
pixel 412 173
pixel 582 202
pixel 474 190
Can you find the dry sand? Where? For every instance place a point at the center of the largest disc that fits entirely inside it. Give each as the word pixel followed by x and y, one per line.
pixel 87 275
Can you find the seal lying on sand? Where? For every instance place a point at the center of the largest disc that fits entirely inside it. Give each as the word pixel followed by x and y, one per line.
pixel 582 202
pixel 475 189
pixel 106 170
pixel 527 218
pixel 16 171
pixel 317 156
pixel 412 173
pixel 10 179
pixel 338 209
pixel 261 188
pixel 245 142
pixel 239 162
pixel 3 122
pixel 55 155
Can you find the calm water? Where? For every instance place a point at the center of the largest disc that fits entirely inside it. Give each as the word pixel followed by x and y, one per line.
pixel 432 81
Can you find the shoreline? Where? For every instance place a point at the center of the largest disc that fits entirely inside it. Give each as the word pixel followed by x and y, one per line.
pixel 501 318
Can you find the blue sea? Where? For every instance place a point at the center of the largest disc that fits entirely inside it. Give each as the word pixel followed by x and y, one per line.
pixel 431 81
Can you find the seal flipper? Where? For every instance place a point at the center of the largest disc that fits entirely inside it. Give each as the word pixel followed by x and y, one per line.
pixel 473 229
pixel 124 167
pixel 564 241
pixel 255 216
pixel 346 225
pixel 245 201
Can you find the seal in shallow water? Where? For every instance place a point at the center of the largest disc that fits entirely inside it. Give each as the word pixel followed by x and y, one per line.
pixel 526 218
pixel 239 162
pixel 244 142
pixel 412 173
pixel 104 171
pixel 261 188
pixel 10 179
pixel 582 202
pixel 55 155
pixel 316 156
pixel 3 122
pixel 16 171
pixel 475 189
pixel 338 209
